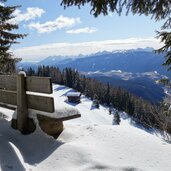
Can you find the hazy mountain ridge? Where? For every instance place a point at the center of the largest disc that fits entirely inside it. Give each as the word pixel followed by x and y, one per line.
pixel 135 61
pixel 135 70
pixel 128 61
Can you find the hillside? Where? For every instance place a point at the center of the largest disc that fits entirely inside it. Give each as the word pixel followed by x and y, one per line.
pixel 142 87
pixel 89 143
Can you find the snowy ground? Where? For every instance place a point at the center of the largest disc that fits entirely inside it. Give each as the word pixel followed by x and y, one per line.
pixel 87 143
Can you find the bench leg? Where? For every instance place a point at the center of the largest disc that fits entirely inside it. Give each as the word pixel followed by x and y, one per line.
pixel 31 125
pixel 50 125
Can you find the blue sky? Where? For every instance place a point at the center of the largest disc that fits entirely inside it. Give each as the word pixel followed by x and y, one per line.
pixel 54 31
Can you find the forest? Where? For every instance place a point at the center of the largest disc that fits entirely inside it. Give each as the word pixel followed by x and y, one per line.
pixel 149 115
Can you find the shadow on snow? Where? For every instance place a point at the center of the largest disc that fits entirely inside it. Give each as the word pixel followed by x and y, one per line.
pixel 34 148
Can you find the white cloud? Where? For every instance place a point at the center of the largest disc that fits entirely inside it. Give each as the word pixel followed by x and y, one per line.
pixel 30 14
pixel 58 23
pixel 37 53
pixel 82 30
pixel 2 4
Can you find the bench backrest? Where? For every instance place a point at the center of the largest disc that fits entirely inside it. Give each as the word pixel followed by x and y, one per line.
pixel 19 92
pixel 9 88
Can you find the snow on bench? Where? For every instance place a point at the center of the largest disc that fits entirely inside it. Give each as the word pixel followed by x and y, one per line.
pixel 25 94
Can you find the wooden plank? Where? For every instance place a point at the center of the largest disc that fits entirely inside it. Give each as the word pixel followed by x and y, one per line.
pixel 39 84
pixel 33 84
pixel 41 103
pixel 51 119
pixel 8 106
pixel 8 82
pixel 68 117
pixel 8 97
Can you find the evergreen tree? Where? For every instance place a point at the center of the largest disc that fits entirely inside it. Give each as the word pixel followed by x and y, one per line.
pixel 7 62
pixel 83 84
pixel 110 108
pixel 68 74
pixel 30 72
pixel 76 81
pixel 107 95
pixel 157 9
pixel 96 102
pixel 116 118
pixel 40 71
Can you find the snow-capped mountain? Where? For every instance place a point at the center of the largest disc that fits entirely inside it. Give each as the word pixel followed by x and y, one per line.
pixel 89 143
pixel 133 61
pixel 135 70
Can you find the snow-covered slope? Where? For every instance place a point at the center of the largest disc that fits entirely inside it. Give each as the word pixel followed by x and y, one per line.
pixel 87 143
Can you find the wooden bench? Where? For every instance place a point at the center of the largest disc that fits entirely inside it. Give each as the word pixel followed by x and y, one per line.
pixel 15 94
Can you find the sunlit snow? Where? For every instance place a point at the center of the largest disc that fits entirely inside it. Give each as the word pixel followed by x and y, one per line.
pixel 89 143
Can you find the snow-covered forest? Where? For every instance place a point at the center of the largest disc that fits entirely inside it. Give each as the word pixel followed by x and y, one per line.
pixel 142 111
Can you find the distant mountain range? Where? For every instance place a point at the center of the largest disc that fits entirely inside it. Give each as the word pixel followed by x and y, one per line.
pixel 128 61
pixel 134 70
pixel 134 61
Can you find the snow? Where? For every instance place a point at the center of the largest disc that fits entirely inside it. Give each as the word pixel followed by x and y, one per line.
pixel 119 71
pixel 89 143
pixel 73 94
pixel 61 111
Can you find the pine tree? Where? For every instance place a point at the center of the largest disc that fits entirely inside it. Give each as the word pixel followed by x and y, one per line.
pixel 107 95
pixel 116 118
pixel 96 102
pixel 76 81
pixel 7 62
pixel 40 71
pixel 110 108
pixel 30 72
